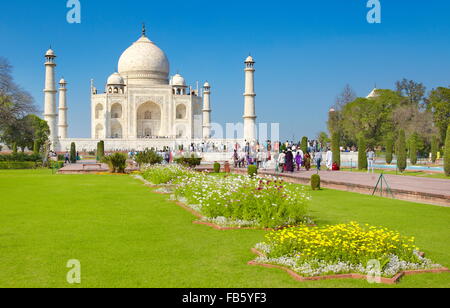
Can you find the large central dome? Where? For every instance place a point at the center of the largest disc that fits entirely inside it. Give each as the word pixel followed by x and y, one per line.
pixel 144 63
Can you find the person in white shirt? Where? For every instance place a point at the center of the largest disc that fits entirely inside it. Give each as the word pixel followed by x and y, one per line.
pixel 329 158
pixel 282 161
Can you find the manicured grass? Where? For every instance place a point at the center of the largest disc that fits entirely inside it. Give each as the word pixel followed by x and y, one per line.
pixel 126 236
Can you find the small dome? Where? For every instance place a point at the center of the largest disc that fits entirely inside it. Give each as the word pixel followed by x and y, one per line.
pixel 50 53
pixel 373 94
pixel 115 79
pixel 178 80
pixel 62 81
pixel 249 60
pixel 206 85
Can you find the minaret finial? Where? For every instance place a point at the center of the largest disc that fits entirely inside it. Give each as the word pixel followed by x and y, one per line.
pixel 143 29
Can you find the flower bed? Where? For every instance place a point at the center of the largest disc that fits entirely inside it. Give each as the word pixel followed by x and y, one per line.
pixel 240 201
pixel 169 174
pixel 341 249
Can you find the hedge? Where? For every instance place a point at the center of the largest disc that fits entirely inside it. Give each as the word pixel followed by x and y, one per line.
pixel 315 182
pixel 389 150
pixel 17 165
pixel 216 167
pixel 252 170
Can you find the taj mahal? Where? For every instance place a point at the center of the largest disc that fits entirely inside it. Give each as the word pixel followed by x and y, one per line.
pixel 141 106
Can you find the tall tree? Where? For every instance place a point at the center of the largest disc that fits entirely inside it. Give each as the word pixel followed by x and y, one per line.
pixel 401 152
pixel 362 155
pixel 413 91
pixel 335 148
pixel 15 102
pixel 434 149
pixel 304 144
pixel 413 143
pixel 439 104
pixel 389 149
pixel 447 153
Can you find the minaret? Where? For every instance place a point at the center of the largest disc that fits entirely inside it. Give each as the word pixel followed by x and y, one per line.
pixel 50 114
pixel 249 112
pixel 62 124
pixel 206 111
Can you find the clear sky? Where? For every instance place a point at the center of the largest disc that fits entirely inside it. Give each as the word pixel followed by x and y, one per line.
pixel 306 51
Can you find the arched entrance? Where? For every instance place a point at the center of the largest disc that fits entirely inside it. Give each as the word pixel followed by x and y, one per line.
pixel 99 134
pixel 148 120
pixel 116 130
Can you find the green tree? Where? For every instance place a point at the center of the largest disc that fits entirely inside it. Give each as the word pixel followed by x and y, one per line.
pixel 304 144
pixel 434 149
pixel 73 153
pixel 413 140
pixel 401 152
pixel 413 92
pixel 447 153
pixel 371 117
pixel 323 139
pixel 100 150
pixel 335 148
pixel 439 104
pixel 389 149
pixel 362 155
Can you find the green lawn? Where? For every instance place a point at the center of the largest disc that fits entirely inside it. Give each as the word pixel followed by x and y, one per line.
pixel 126 236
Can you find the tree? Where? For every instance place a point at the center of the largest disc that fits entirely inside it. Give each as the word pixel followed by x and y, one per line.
pixel 414 92
pixel 347 95
pixel 15 102
pixel 371 117
pixel 438 103
pixel 362 156
pixel 413 141
pixel 335 148
pixel 401 151
pixel 26 132
pixel 323 138
pixel 447 153
pixel 73 153
pixel 434 149
pixel 100 150
pixel 389 149
pixel 304 144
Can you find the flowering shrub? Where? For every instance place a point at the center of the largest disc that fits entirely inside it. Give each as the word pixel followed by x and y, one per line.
pixel 244 200
pixel 165 174
pixel 339 249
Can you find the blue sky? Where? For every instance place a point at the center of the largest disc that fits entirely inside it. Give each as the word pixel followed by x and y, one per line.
pixel 306 51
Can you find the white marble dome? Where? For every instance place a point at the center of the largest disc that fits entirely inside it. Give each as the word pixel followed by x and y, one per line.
pixel 178 80
pixel 115 79
pixel 145 61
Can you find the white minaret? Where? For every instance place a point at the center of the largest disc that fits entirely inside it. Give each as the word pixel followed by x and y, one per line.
pixel 249 112
pixel 50 114
pixel 206 111
pixel 62 123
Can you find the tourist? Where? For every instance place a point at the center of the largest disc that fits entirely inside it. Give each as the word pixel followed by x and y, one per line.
pixel 307 161
pixel 329 158
pixel 298 160
pixel 67 158
pixel 235 158
pixel 318 159
pixel 282 161
pixel 289 164
pixel 259 159
pixel 370 160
